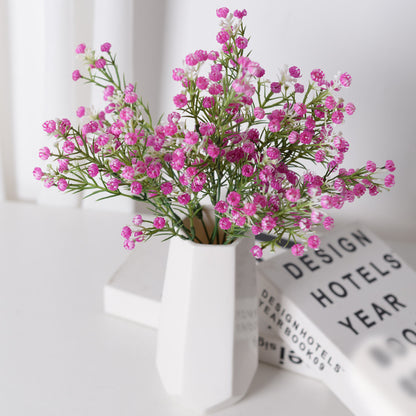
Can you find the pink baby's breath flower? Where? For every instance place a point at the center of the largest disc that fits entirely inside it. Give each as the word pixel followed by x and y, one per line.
pixel 49 126
pixel 225 223
pixel 247 170
pixel 373 190
pixel 80 49
pixel 249 209
pixel 294 71
pixel 128 173
pixel 268 223
pixel 113 184
pixel 110 108
pixel 326 202
pixel 126 232
pixel 44 153
pixel 233 198
pixel 159 223
pixel 273 153
pixel 274 125
pixel 62 184
pixel 389 180
pixel 306 137
pixel 213 55
pixel 222 12
pixel 178 74
pixel 337 117
pixel 213 150
pixel 330 102
pixel 49 182
pixel 241 42
pixel 76 75
pixel 317 75
pixel 216 89
pixel 80 111
pixel 130 97
pixel 328 223
pixel 276 87
pixel 257 252
pixel 100 63
pixel 350 109
pixel 359 190
pixel 316 216
pixel 180 100
pixel 129 88
pixel 221 207
pixel 208 102
pixel 207 129
pixel 222 36
pixel 137 220
pixel 63 165
pixel 239 14
pixel 68 147
pixel 390 166
pixel 293 194
pixel 371 166
pixel 319 156
pixel 93 170
pixel 299 88
pixel 115 165
pixel 255 69
pixel 108 92
pixel 314 242
pixel 166 188
pixel 256 229
pixel 126 113
pixel 202 83
pixel 131 138
pixel 129 244
pixel 184 199
pixel 191 59
pixel 191 137
pixel 201 55
pixel 345 79
pixel 38 173
pixel 297 250
pixel 178 159
pixel 293 137
pixel 153 170
pixel 105 47
pixel 249 148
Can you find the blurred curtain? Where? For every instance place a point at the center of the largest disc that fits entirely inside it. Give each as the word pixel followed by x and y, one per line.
pixel 38 40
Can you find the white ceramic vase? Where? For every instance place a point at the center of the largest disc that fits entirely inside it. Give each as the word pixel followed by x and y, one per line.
pixel 207 338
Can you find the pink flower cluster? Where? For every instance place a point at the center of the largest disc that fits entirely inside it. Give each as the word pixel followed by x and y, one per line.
pixel 242 151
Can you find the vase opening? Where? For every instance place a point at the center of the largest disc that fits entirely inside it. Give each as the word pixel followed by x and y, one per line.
pixel 206 229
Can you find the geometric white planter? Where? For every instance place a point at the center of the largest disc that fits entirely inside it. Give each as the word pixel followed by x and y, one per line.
pixel 207 339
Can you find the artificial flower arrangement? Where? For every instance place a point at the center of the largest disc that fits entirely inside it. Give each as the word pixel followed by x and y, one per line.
pixel 236 140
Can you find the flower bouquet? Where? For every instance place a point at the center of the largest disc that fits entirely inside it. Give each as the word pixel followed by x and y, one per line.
pixel 237 140
pixel 264 153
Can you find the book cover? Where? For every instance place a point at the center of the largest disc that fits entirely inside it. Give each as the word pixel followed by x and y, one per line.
pixel 349 310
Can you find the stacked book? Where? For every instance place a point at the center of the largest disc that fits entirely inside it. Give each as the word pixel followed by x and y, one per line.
pixel 344 314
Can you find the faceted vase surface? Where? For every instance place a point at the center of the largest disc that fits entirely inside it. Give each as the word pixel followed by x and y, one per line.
pixel 207 338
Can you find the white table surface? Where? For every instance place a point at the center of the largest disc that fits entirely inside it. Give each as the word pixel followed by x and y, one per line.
pixel 61 355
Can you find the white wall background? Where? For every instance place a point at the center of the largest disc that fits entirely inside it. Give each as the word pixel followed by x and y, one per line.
pixel 373 40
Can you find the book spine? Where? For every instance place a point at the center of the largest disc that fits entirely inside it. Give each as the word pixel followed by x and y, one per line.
pixel 325 361
pixel 274 351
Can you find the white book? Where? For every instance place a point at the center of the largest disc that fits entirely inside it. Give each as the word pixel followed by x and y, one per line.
pixel 349 310
pixel 134 293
